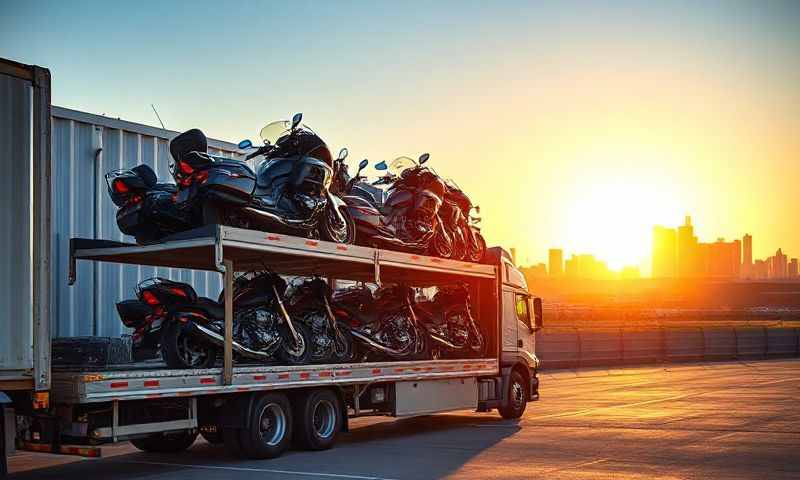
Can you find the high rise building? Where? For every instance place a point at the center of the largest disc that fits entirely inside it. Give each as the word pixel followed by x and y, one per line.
pixel 688 261
pixel 747 256
pixel 793 269
pixel 665 252
pixel 778 265
pixel 556 262
pixel 723 258
pixel 587 267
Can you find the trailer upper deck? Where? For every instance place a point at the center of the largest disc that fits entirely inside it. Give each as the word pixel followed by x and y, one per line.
pixel 206 248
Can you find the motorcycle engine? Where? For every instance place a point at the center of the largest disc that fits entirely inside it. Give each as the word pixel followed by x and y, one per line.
pixel 257 328
pixel 318 323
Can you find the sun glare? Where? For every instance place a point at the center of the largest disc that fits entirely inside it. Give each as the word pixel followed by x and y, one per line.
pixel 613 219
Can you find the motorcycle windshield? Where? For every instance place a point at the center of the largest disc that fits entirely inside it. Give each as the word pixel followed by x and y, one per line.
pixel 399 164
pixel 275 130
pixel 305 141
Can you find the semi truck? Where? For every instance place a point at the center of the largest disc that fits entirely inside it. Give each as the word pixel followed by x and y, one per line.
pixel 252 410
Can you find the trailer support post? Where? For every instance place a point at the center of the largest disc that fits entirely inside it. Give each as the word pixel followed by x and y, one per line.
pixel 227 356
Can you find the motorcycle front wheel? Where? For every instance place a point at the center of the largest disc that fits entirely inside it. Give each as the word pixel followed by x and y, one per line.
pixel 295 353
pixel 343 346
pixel 333 229
pixel 441 246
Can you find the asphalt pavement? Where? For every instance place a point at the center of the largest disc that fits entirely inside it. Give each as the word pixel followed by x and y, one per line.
pixel 694 421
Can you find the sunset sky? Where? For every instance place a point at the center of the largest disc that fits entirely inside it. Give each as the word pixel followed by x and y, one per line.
pixel 573 124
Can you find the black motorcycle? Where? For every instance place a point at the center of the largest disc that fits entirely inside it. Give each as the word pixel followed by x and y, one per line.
pixel 409 219
pixel 383 324
pixel 449 322
pixel 468 243
pixel 193 327
pixel 147 209
pixel 309 301
pixel 288 192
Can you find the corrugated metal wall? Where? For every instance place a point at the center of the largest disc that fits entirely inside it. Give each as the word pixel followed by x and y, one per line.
pixel 16 321
pixel 82 208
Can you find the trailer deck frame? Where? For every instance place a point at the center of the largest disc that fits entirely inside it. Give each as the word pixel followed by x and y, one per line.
pixel 228 250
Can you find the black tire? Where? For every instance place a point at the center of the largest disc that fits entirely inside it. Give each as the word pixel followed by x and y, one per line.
pixel 439 246
pixel 165 443
pixel 477 345
pixel 516 395
pixel 343 350
pixel 182 351
pixel 476 245
pixel 290 354
pixel 330 230
pixel 270 431
pixel 423 346
pixel 318 417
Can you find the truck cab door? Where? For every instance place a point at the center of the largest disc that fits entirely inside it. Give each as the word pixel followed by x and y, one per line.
pixel 525 324
pixel 509 322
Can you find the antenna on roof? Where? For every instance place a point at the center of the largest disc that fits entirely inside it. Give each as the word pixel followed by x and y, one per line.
pixel 158 116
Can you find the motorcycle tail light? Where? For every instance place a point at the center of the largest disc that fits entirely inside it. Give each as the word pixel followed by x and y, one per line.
pixel 120 187
pixel 201 177
pixel 179 292
pixel 149 298
pixel 186 168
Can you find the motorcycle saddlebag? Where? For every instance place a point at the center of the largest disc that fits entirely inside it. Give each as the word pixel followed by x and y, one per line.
pixel 133 312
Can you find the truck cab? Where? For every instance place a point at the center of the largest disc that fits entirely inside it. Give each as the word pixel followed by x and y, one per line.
pixel 520 315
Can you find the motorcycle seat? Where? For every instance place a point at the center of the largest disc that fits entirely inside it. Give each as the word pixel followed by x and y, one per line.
pixel 213 308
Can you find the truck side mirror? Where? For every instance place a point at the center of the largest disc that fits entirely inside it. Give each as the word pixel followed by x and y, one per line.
pixel 537 314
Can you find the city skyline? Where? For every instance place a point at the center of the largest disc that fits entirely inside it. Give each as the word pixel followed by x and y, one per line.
pixel 677 252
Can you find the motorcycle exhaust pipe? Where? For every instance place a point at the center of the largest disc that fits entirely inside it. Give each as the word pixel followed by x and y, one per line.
pixel 219 340
pixel 377 346
pixel 443 341
pixel 271 217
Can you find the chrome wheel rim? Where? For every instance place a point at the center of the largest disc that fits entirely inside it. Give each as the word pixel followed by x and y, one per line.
pixel 272 424
pixel 295 348
pixel 190 355
pixel 517 395
pixel 324 419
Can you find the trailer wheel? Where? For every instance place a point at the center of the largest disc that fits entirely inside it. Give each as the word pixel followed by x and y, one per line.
pixel 516 397
pixel 166 443
pixel 270 429
pixel 319 419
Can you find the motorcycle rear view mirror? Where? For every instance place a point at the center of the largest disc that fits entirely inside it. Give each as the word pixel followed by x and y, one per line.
pixel 424 158
pixel 362 165
pixel 343 153
pixel 298 117
pixel 381 165
pixel 245 144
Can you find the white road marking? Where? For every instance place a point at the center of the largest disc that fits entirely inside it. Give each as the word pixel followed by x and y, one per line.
pixel 252 469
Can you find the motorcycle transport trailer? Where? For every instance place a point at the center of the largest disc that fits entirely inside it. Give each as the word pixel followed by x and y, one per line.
pixel 256 409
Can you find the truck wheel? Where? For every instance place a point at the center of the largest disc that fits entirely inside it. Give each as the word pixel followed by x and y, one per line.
pixel 270 429
pixel 166 443
pixel 182 351
pixel 319 419
pixel 516 397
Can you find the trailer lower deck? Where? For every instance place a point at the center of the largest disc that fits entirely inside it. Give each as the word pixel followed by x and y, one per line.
pixel 138 382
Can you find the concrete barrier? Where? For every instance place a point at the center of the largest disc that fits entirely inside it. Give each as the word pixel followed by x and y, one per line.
pixel 781 342
pixel 751 342
pixel 560 349
pixel 601 347
pixel 719 343
pixel 643 346
pixel 683 344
